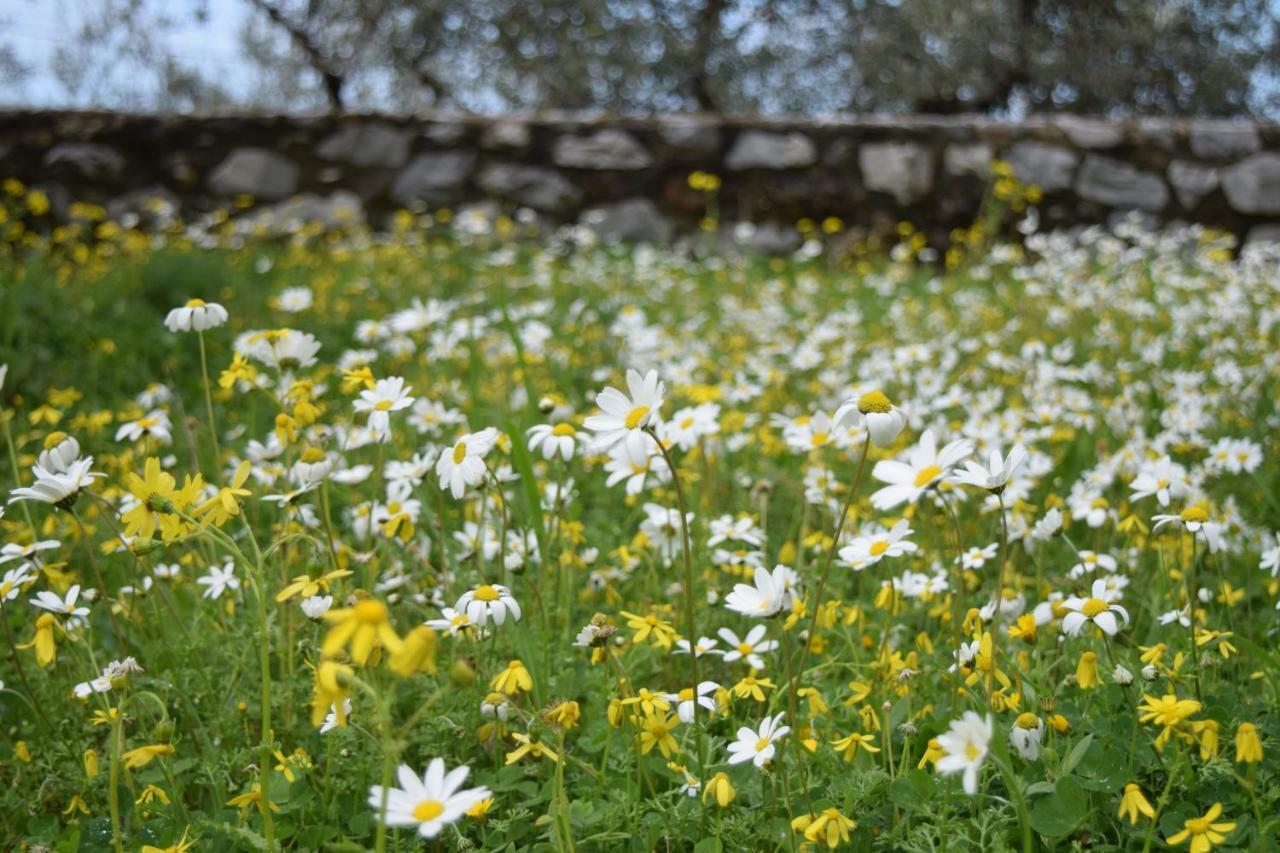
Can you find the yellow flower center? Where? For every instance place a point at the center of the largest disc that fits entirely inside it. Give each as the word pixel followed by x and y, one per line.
pixel 927 475
pixel 635 416
pixel 53 439
pixel 744 648
pixel 195 303
pixel 1027 721
pixel 428 810
pixel 686 694
pixel 383 405
pixel 563 430
pixel 762 744
pixel 459 452
pixel 686 423
pixel 971 751
pixel 312 455
pixel 878 547
pixel 820 438
pixel 371 612
pixel 874 402
pixel 1093 607
pixel 1198 826
pixel 1194 514
pixel 487 593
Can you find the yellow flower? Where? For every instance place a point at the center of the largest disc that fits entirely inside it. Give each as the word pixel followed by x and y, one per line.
pixel 151 794
pixel 1133 803
pixel 331 688
pixel 307 586
pixel 829 826
pixel 251 799
pixel 239 371
pixel 20 750
pixel 417 653
pixel 225 505
pixel 932 753
pixel 91 763
pixel 648 701
pixel 663 633
pixel 655 730
pixel 753 687
pixel 1024 628
pixel 565 715
pixel 144 755
pixel 1248 744
pixel 1168 712
pixel 1202 832
pixel 156 492
pixel 1206 732
pixel 44 640
pixel 850 745
pixel 481 809
pixel 720 789
pixel 363 625
pixel 513 680
pixel 529 746
pixel 182 846
pixel 1087 671
pixel 352 380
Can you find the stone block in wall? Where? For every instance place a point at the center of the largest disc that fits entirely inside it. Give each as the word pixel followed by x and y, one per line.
pixel 605 149
pixel 690 135
pixel 759 149
pixel 367 145
pixel 1090 132
pixel 506 136
pixel 1192 181
pixel 1253 184
pixel 1116 183
pixel 1049 167
pixel 968 158
pixel 87 160
pixel 901 169
pixel 633 220
pixel 1268 232
pixel 533 186
pixel 1223 139
pixel 255 172
pixel 445 132
pixel 434 178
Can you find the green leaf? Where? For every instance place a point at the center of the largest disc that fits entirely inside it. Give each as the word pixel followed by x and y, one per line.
pixel 1062 811
pixel 708 845
pixel 1077 753
pixel 913 791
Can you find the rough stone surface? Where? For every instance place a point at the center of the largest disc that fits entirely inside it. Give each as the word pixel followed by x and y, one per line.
pixel 445 132
pixel 1221 139
pixel 604 149
pixel 694 136
pixel 1118 184
pixel 340 209
pixel 367 145
pixel 903 170
pixel 1268 233
pixel 972 158
pixel 758 149
pixel 1050 167
pixel 86 159
pixel 534 186
pixel 506 136
pixel 255 172
pixel 1091 132
pixel 634 220
pixel 1253 184
pixel 1192 181
pixel 435 178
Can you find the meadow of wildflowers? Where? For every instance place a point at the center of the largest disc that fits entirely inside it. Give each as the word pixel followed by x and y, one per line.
pixel 442 539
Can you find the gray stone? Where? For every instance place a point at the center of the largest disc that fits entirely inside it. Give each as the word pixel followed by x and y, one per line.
pixel 902 169
pixel 973 158
pixel 691 135
pixel 340 209
pixel 506 135
pixel 1223 139
pixel 367 145
pixel 604 149
pixel 534 186
pixel 445 132
pixel 634 220
pixel 1253 184
pixel 435 178
pixel 256 172
pixel 1157 133
pixel 1091 132
pixel 1118 184
pixel 759 149
pixel 1266 233
pixel 85 159
pixel 1049 167
pixel 1192 181
pixel 153 206
pixel 770 238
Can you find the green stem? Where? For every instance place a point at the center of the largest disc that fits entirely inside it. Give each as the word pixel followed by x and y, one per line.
pixel 117 726
pixel 208 401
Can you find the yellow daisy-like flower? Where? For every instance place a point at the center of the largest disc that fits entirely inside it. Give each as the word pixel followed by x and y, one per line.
pixel 529 746
pixel 307 586
pixel 225 505
pixel 850 745
pixel 1203 832
pixel 513 680
pixel 829 827
pixel 144 755
pixel 655 730
pixel 363 626
pixel 1134 803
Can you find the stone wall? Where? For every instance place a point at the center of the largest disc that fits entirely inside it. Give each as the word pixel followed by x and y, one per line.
pixel 628 177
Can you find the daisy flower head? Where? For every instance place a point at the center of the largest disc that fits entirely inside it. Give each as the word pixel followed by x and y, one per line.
pixel 196 316
pixel 749 648
pixel 626 416
pixel 488 602
pixel 1099 609
pixel 758 745
pixel 431 802
pixel 450 621
pixel 463 466
pixel 386 396
pixel 883 420
pixel 926 466
pixel 1163 478
pixel 551 441
pixel 688 700
pixel 60 451
pixel 1196 521
pixel 867 550
pixel 995 475
pixel 1203 832
pixel 965 745
pixel 59 488
pixel 64 606
pixel 768 596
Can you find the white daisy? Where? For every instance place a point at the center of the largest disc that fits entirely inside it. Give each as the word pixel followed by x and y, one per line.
pixel 757 745
pixel 463 466
pixel 926 466
pixel 965 745
pixel 430 803
pixel 196 316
